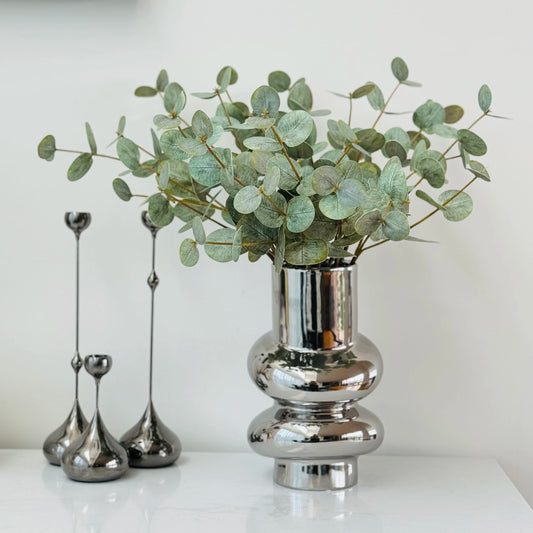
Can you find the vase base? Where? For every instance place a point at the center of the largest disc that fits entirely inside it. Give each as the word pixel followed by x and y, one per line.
pixel 316 474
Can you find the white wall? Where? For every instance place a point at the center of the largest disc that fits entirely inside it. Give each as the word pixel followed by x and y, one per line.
pixel 452 321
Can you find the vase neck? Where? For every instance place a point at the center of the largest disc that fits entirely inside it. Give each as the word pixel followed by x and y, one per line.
pixel 315 309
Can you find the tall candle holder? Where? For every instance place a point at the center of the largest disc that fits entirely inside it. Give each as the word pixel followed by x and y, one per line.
pixel 149 443
pixel 60 439
pixel 96 455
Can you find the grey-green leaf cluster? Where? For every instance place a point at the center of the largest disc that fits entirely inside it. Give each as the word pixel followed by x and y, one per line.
pixel 252 178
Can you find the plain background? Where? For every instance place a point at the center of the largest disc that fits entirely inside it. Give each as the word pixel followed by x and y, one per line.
pixel 453 321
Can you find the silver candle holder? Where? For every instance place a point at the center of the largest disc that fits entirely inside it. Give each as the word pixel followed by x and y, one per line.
pixel 96 455
pixel 60 439
pixel 149 443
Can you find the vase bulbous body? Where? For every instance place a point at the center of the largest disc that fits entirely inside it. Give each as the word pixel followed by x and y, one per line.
pixel 316 367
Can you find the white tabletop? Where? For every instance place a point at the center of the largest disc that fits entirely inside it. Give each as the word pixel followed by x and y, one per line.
pixel 222 492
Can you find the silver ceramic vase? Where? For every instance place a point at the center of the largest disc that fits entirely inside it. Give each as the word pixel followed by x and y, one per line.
pixel 316 367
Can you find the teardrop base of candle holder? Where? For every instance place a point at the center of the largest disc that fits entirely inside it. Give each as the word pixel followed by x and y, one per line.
pixel 149 443
pixel 95 456
pixel 60 439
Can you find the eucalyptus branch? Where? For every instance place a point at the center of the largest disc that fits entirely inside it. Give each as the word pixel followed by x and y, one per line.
pixel 286 154
pixel 223 106
pixel 436 210
pixel 94 155
pixel 386 104
pixel 313 208
pixel 469 128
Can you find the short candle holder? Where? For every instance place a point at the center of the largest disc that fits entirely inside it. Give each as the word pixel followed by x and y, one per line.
pixel 96 455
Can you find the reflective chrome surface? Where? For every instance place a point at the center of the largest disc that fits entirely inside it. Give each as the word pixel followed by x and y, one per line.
pixel 149 443
pixel 56 443
pixel 96 455
pixel 316 367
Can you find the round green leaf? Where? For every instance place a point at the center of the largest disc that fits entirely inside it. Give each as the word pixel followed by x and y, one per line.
pixel 429 114
pixel 121 125
pixel 479 170
pixel 47 148
pixel 164 122
pixel 392 180
pixel 247 200
pixel 254 232
pixel 90 138
pixel 260 123
pixel 219 244
pixel 201 125
pixel 128 153
pixel 370 139
pixel 333 208
pixel 399 69
pixel 236 247
pixel 279 81
pixel 177 146
pixel 458 208
pixel 265 102
pixel 400 136
pixel 170 144
pixel 189 254
pixel 363 91
pixel 453 114
pixel 159 210
pixel 266 144
pixel 325 179
pixel 484 98
pixel 471 142
pixel 198 230
pixel 162 80
pixel 232 77
pixel 395 226
pixel 145 91
pixel 79 167
pixel 394 149
pixel 206 170
pixel 368 222
pixel 272 216
pixel 175 98
pixel 295 127
pixel 300 97
pixel 431 170
pixel 308 252
pixel 121 189
pixel 164 175
pixel 271 180
pixel 300 214
pixel 375 99
pixel 288 179
pixel 351 193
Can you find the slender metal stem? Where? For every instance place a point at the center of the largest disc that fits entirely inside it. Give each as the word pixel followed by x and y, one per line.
pixel 77 309
pixel 152 321
pixel 97 394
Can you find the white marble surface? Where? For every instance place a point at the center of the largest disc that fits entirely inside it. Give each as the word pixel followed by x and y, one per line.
pixel 222 492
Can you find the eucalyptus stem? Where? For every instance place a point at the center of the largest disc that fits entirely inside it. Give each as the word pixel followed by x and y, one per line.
pixel 286 154
pixel 278 209
pixel 350 113
pixel 445 203
pixel 386 104
pixel 469 128
pixel 185 204
pixel 223 106
pixel 243 244
pixel 79 152
pixel 184 121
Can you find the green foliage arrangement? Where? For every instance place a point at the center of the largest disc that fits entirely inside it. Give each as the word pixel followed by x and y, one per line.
pixel 282 193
